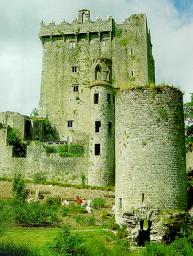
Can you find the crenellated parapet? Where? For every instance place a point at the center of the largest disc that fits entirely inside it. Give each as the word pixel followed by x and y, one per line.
pixel 81 25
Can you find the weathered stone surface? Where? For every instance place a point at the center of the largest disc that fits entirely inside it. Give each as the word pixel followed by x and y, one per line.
pixel 150 150
pixel 145 224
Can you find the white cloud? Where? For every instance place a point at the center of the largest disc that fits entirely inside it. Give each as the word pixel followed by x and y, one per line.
pixel 20 48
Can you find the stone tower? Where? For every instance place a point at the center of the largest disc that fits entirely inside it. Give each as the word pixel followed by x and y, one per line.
pixel 82 60
pixel 69 52
pixel 102 153
pixel 150 150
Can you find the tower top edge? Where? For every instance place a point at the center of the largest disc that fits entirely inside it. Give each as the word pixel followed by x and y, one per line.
pixel 84 24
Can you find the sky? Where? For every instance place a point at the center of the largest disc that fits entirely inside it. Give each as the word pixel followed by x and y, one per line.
pixel 170 22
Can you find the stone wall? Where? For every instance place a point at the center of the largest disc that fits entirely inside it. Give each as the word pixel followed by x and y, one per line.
pixel 150 149
pixel 53 167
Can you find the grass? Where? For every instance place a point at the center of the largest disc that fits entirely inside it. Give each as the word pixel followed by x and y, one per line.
pixel 33 236
pixel 40 236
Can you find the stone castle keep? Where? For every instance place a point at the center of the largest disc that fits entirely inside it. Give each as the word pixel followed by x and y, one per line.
pixel 98 92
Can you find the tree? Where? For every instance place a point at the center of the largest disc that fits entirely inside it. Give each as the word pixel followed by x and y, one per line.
pixel 34 112
pixel 188 114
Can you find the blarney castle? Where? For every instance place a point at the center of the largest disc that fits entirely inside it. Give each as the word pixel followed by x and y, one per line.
pixel 99 99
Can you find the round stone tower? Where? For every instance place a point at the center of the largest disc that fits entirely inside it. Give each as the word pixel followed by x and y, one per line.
pixel 150 150
pixel 101 148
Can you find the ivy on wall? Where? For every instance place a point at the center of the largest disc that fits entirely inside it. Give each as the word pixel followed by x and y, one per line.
pixel 14 139
pixel 66 150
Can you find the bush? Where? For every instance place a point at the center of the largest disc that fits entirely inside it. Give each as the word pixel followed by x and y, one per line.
pixel 111 224
pixel 80 219
pixel 179 247
pixel 6 216
pixel 35 214
pixel 71 150
pixel 68 244
pixel 19 189
pixel 71 209
pixel 91 220
pixel 52 202
pixel 8 249
pixel 122 232
pixel 39 178
pixel 98 203
pixel 83 220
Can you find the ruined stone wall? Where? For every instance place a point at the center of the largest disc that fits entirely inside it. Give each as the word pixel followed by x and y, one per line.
pixel 101 169
pixel 53 167
pixel 150 150
pixel 15 120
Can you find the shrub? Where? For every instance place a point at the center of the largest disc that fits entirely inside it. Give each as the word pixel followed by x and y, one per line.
pixel 72 209
pixel 71 150
pixel 91 220
pixel 19 189
pixel 9 248
pixel 39 178
pixel 52 202
pixel 122 232
pixel 80 219
pixel 111 224
pixel 98 203
pixel 35 214
pixel 6 216
pixel 183 246
pixel 83 220
pixel 121 248
pixel 69 244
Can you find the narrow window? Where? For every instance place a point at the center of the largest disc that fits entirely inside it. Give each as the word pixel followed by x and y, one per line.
pixel 96 98
pixel 132 73
pixel 97 149
pixel 74 69
pixel 142 198
pixel 72 45
pixel 108 98
pixel 70 123
pixel 120 203
pixel 97 126
pixel 109 127
pixel 131 51
pixel 75 88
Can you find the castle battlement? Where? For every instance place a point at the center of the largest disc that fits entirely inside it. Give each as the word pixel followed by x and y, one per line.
pixel 84 25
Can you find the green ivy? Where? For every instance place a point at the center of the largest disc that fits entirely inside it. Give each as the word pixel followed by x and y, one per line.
pixel 14 139
pixel 71 150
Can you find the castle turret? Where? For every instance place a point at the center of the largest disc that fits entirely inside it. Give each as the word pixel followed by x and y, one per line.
pixel 150 150
pixel 101 148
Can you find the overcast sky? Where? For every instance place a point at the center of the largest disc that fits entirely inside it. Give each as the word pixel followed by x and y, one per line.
pixel 170 22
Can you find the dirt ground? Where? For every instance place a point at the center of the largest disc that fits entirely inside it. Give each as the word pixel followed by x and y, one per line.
pixel 67 193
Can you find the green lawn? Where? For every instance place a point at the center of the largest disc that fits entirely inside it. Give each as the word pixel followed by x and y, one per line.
pixel 32 236
pixel 41 236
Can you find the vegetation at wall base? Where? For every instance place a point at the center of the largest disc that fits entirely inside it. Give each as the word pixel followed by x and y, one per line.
pixel 44 181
